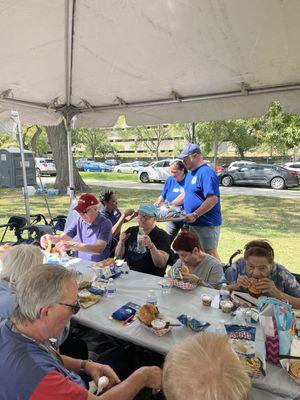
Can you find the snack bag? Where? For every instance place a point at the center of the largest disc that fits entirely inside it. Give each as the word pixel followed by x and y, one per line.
pixel 175 273
pixel 242 339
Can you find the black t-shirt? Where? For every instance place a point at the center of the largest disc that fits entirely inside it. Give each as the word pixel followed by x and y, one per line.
pixel 143 262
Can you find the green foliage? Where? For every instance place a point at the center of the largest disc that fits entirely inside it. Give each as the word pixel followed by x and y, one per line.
pixel 279 131
pixel 95 140
pixel 151 137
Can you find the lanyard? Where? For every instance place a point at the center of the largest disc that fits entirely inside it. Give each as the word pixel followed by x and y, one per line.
pixel 44 346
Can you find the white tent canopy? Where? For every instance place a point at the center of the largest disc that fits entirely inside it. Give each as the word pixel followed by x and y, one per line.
pixel 153 61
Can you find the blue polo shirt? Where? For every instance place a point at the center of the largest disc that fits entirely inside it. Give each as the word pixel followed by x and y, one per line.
pixel 172 189
pixel 100 229
pixel 199 184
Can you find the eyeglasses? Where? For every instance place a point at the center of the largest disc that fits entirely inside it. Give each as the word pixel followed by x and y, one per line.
pixel 85 211
pixel 144 217
pixel 75 307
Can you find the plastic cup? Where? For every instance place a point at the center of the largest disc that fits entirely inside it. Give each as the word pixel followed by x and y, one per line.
pixel 226 306
pixel 206 300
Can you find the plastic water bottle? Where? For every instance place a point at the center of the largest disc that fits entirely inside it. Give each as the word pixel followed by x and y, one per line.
pixel 125 269
pixel 111 289
pixel 224 292
pixel 151 298
pixel 64 259
pixel 166 286
pixel 140 245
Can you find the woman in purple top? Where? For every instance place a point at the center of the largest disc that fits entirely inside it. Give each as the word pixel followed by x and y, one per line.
pixel 173 193
pixel 93 232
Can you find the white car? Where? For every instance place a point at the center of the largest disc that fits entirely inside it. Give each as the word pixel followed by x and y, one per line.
pixel 130 167
pixel 292 166
pixel 157 171
pixel 45 166
pixel 238 164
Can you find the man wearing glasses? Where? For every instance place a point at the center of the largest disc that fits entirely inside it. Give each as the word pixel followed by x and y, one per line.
pixel 153 254
pixel 202 199
pixel 92 230
pixel 29 366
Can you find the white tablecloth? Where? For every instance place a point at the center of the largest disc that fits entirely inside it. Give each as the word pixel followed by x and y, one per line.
pixel 135 288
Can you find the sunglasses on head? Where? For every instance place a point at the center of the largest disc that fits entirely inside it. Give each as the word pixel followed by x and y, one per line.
pixel 75 307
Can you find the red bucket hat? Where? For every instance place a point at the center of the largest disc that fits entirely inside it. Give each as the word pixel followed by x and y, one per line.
pixel 85 201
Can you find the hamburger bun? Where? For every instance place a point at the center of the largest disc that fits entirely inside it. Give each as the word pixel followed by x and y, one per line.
pixel 107 262
pixel 147 313
pixel 252 287
pixel 185 270
pixel 295 369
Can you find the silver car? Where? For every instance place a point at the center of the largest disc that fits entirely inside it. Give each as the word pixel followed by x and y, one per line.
pixel 157 171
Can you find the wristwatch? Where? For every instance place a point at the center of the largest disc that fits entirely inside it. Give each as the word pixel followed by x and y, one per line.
pixel 195 215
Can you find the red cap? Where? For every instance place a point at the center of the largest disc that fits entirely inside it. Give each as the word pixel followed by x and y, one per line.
pixel 86 200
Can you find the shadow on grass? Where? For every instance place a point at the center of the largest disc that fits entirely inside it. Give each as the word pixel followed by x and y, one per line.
pixel 260 216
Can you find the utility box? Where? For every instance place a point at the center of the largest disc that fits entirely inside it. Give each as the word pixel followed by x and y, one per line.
pixel 11 174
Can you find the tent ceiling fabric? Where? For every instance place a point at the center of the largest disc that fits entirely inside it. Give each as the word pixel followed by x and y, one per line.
pixel 137 53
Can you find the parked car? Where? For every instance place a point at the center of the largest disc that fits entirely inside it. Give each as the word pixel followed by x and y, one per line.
pixel 292 166
pixel 237 164
pixel 273 176
pixel 95 166
pixel 157 171
pixel 217 169
pixel 131 167
pixel 45 166
pixel 112 162
pixel 81 161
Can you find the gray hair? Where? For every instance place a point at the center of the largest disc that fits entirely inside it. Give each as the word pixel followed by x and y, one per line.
pixel 20 259
pixel 41 287
pixel 204 367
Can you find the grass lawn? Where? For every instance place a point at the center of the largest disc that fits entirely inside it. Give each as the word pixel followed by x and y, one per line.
pixel 244 218
pixel 109 176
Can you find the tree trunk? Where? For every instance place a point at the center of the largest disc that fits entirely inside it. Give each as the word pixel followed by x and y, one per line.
pixel 57 136
pixel 34 139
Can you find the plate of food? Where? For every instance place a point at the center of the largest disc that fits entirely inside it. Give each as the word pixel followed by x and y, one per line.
pixel 150 317
pixel 167 212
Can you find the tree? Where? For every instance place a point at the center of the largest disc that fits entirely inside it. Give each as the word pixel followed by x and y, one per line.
pixel 57 136
pixel 95 140
pixel 152 137
pixel 279 131
pixel 241 135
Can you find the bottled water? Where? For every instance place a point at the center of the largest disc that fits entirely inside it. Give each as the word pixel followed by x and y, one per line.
pixel 166 286
pixel 125 270
pixel 239 318
pixel 64 259
pixel 224 292
pixel 151 298
pixel 111 288
pixel 140 247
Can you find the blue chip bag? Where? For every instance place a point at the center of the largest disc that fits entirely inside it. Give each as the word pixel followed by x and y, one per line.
pixel 242 339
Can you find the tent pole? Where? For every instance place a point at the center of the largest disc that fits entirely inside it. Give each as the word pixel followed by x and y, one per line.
pixel 70 157
pixel 15 117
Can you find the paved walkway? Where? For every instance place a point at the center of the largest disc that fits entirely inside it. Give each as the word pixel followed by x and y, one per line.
pixel 247 191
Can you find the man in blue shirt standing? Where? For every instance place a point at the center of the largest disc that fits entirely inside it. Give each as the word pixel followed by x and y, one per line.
pixel 202 199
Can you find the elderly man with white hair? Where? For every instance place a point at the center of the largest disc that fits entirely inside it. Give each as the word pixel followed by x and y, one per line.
pixel 204 367
pixel 30 368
